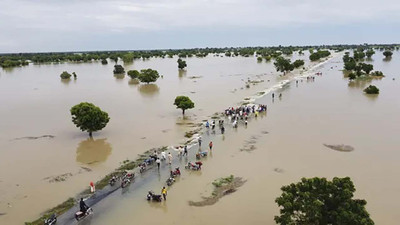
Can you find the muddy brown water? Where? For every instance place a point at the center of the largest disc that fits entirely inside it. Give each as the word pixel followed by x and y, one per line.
pixel 35 102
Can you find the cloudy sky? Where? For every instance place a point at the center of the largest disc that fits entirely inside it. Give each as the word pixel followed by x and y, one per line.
pixel 69 25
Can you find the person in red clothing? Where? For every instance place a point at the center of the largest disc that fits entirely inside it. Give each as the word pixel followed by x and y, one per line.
pixel 210 145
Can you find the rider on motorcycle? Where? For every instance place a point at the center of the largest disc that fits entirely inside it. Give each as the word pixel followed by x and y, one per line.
pixel 83 206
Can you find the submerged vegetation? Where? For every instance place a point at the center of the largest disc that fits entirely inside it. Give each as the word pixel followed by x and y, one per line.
pixel 371 89
pixel 65 75
pixel 319 201
pixel 21 59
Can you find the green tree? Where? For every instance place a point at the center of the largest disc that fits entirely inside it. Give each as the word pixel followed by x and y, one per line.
pixel 181 64
pixel 104 61
pixel 369 53
pixel 283 65
pixel 259 59
pixel 75 76
pixel 65 75
pixel 350 64
pixel 352 76
pixel 148 75
pixel 133 74
pixel 367 67
pixel 371 89
pixel 387 54
pixel 118 69
pixel 183 102
pixel 317 201
pixel 298 63
pixel 89 117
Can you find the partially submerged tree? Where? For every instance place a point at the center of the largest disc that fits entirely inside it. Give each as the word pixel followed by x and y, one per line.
pixel 371 89
pixel 148 75
pixel 133 74
pixel 118 69
pixel 369 53
pixel 283 65
pixel 89 117
pixel 181 64
pixel 184 103
pixel 367 67
pixel 317 201
pixel 104 61
pixel 65 75
pixel 74 74
pixel 298 63
pixel 387 54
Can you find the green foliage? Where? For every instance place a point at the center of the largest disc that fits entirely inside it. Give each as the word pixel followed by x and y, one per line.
pixel 371 89
pixel 148 75
pixel 228 54
pixel 184 103
pixel 358 55
pixel 319 54
pixel 298 63
pixel 104 61
pixel 283 65
pixel 65 75
pixel 133 74
pixel 367 67
pixel 181 64
pixel 259 59
pixel 350 64
pixel 377 73
pixel 222 181
pixel 128 57
pixel 369 53
pixel 388 53
pixel 89 117
pixel 118 69
pixel 74 74
pixel 352 76
pixel 319 201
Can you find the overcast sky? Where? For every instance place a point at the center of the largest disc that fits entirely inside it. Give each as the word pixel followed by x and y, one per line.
pixel 69 25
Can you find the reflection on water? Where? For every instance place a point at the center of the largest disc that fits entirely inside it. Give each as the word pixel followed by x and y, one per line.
pixel 182 73
pixel 119 76
pixel 388 59
pixel 65 81
pixel 359 83
pixel 371 97
pixel 149 90
pixel 92 151
pixel 133 82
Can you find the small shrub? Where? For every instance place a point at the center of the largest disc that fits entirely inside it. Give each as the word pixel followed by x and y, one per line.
pixel 65 75
pixel 371 89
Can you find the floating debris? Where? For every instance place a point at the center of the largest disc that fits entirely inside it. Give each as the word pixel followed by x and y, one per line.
pixel 340 148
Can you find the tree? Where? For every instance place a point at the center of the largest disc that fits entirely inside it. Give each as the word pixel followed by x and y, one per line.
pixel 65 75
pixel 259 59
pixel 148 75
pixel 74 74
pixel 119 69
pixel 298 63
pixel 317 201
pixel 89 117
pixel 104 61
pixel 387 54
pixel 367 67
pixel 133 74
pixel 369 53
pixel 371 89
pixel 377 73
pixel 352 76
pixel 183 102
pixel 350 64
pixel 283 65
pixel 181 64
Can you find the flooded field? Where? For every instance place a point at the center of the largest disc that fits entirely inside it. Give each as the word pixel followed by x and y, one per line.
pixel 288 143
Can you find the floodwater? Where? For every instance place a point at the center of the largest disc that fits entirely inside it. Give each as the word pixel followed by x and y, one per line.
pixel 35 102
pixel 288 141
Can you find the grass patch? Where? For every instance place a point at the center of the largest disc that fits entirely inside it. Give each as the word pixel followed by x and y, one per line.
pixel 58 210
pixel 223 181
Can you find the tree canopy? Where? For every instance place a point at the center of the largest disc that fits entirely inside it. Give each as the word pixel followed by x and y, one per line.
pixel 369 53
pixel 283 65
pixel 181 64
pixel 298 63
pixel 104 61
pixel 183 102
pixel 319 54
pixel 317 201
pixel 371 89
pixel 148 75
pixel 388 53
pixel 118 69
pixel 133 74
pixel 88 117
pixel 65 75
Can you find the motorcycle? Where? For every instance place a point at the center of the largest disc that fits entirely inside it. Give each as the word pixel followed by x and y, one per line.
pixel 201 154
pixel 194 166
pixel 170 181
pixel 154 197
pixel 113 180
pixel 80 215
pixel 51 220
pixel 175 173
pixel 142 167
